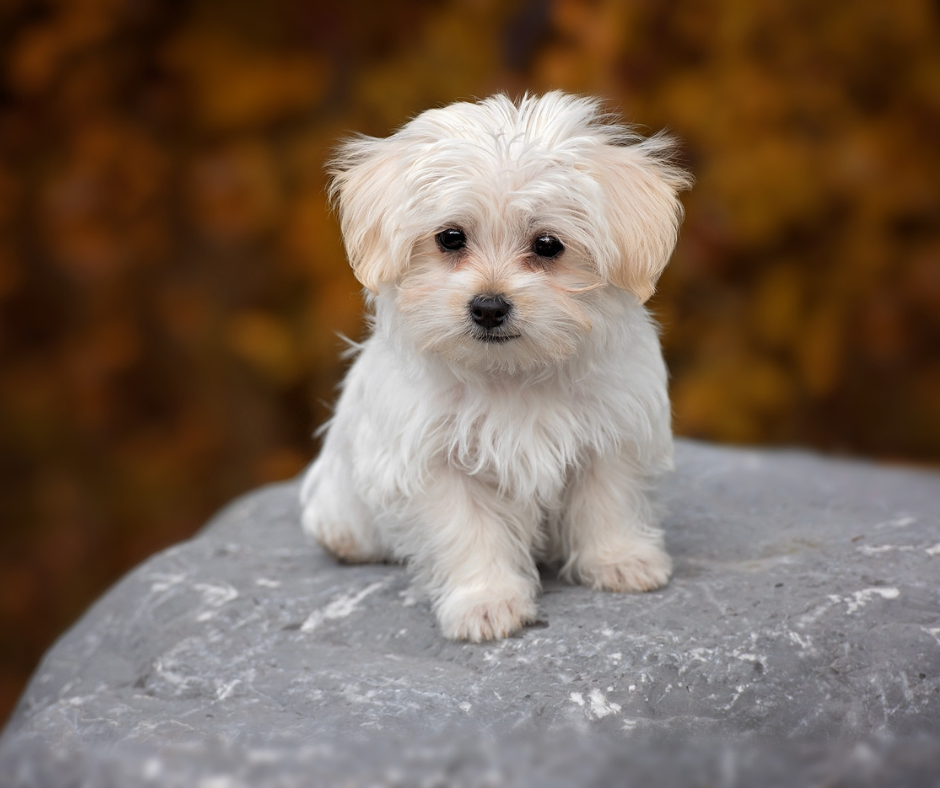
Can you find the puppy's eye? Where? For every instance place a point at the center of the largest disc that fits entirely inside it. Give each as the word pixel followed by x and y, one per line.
pixel 451 239
pixel 547 246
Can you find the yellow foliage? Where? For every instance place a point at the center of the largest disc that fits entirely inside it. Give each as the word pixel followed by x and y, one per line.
pixel 235 192
pixel 265 342
pixel 778 308
pixel 236 86
pixel 821 349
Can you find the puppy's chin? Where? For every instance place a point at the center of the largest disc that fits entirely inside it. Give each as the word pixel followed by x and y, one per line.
pixel 500 355
pixel 493 338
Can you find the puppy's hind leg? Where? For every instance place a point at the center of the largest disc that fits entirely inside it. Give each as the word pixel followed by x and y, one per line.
pixel 336 517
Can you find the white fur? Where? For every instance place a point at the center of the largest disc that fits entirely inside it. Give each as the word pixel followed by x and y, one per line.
pixel 471 459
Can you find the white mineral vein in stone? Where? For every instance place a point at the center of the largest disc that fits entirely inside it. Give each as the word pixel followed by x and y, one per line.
pixel 805 642
pixel 885 548
pixel 738 692
pixel 214 596
pixel 935 550
pixel 900 522
pixel 162 582
pixel 226 689
pixel 409 597
pixel 934 631
pixel 342 606
pixel 861 598
pixel 164 669
pixel 600 706
pixel 905 687
pixel 817 611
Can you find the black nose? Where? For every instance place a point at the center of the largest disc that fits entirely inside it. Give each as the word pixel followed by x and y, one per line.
pixel 489 311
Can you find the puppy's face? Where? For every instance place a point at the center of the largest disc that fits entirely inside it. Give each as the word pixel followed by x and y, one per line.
pixel 503 283
pixel 497 232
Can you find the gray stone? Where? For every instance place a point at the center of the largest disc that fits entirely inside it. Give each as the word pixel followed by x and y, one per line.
pixel 798 643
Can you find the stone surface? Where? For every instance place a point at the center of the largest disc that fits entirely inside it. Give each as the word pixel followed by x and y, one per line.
pixel 798 642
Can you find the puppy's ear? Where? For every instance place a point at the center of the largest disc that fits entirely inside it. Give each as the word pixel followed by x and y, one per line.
pixel 365 189
pixel 641 188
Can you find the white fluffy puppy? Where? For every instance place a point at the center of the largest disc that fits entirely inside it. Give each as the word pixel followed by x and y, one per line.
pixel 510 405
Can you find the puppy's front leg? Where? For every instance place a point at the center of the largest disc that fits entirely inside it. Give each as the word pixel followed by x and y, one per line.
pixel 473 550
pixel 608 536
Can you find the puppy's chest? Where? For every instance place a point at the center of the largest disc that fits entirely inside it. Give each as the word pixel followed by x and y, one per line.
pixel 525 448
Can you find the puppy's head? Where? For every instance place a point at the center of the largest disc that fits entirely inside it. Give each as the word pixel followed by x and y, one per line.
pixel 496 233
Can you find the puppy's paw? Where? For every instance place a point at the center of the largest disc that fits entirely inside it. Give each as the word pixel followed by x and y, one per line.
pixel 486 615
pixel 639 566
pixel 344 542
pixel 345 548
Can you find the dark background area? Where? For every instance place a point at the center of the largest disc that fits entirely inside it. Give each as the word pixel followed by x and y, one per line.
pixel 171 281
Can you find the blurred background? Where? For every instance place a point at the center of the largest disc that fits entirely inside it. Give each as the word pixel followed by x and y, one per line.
pixel 171 281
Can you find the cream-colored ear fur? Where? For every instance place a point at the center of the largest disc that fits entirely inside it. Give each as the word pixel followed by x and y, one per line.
pixel 643 210
pixel 366 191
